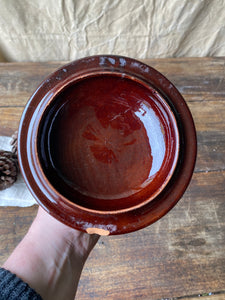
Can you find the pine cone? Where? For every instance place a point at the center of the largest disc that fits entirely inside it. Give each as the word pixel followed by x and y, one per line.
pixel 14 142
pixel 8 169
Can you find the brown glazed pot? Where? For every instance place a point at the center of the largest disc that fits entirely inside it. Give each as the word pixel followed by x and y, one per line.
pixel 107 145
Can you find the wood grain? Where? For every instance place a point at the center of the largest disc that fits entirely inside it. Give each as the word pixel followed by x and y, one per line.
pixel 183 253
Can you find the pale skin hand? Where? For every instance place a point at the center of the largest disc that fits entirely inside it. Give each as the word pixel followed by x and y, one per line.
pixel 50 257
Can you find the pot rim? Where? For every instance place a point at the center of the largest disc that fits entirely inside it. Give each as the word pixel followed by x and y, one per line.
pixel 59 206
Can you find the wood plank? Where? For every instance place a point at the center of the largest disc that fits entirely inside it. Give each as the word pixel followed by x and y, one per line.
pixel 203 297
pixel 14 223
pixel 211 136
pixel 208 117
pixel 197 79
pixel 181 254
pixel 9 120
pixel 211 151
pixel 17 84
pixel 19 80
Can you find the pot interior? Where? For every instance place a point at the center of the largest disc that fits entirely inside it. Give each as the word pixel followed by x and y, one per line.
pixel 108 142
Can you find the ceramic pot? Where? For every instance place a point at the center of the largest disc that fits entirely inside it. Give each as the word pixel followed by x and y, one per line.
pixel 107 145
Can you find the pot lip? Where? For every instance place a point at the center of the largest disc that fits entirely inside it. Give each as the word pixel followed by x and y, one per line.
pixel 53 85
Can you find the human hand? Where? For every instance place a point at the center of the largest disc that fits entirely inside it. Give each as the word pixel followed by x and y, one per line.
pixel 51 257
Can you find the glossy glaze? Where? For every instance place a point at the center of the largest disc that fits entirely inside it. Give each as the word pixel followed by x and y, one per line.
pixel 37 147
pixel 107 138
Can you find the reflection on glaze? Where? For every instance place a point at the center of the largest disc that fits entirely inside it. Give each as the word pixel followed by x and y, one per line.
pixel 122 61
pixel 155 135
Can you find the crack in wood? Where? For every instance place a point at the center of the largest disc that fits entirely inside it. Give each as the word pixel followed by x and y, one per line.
pixel 209 171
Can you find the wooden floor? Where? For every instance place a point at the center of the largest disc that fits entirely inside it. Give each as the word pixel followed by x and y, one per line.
pixel 182 255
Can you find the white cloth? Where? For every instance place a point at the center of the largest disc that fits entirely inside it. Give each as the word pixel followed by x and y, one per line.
pixel 17 194
pixel 41 30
